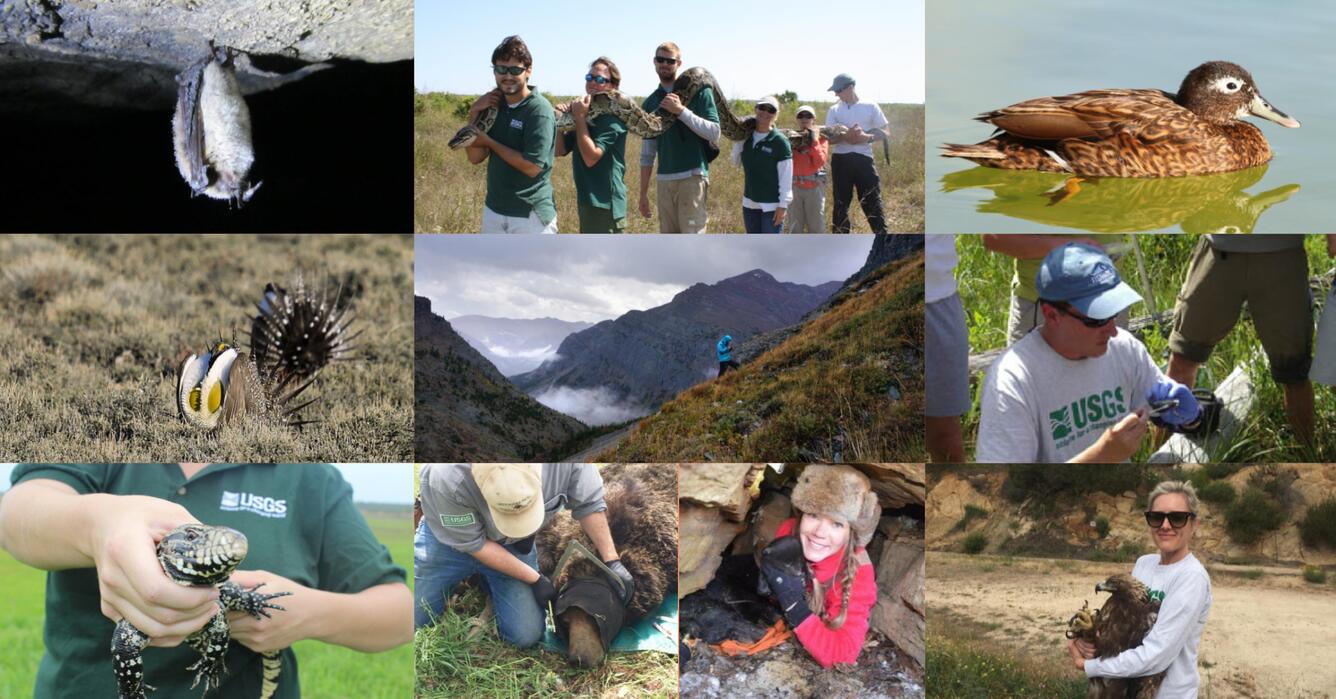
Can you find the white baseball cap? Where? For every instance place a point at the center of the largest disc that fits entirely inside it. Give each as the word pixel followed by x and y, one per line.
pixel 514 495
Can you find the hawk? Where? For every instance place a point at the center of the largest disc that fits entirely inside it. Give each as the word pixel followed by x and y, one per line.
pixel 1121 624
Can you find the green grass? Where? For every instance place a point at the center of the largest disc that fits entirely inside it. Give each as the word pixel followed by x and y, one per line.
pixel 974 543
pixel 961 663
pixel 95 327
pixel 821 395
pixel 1315 575
pixel 449 192
pixel 326 671
pixel 452 663
pixel 984 280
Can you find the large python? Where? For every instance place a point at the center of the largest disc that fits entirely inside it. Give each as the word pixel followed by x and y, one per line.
pixel 653 125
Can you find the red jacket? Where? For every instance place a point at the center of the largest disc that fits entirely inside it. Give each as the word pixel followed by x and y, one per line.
pixel 842 645
pixel 809 161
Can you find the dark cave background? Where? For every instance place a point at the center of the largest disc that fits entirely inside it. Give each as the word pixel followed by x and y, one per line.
pixel 334 149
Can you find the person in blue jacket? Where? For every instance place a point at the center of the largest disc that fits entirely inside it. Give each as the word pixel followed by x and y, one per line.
pixel 725 350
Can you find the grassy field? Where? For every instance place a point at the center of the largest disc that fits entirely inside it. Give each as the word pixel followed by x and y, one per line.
pixel 984 280
pixel 95 326
pixel 453 663
pixel 449 192
pixel 959 665
pixel 327 672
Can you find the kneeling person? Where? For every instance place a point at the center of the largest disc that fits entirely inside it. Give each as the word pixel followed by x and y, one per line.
pixel 482 519
pixel 1079 388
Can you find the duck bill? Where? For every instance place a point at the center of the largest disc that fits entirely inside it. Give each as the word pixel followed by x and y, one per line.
pixel 1262 108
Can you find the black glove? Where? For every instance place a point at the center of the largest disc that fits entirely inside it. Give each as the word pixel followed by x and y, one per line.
pixel 782 565
pixel 543 592
pixel 624 582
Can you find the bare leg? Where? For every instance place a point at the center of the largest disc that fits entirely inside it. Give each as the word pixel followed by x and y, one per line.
pixel 945 442
pixel 1299 410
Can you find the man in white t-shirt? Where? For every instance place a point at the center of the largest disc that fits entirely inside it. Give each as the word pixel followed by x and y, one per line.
pixel 851 164
pixel 1079 389
pixel 1181 583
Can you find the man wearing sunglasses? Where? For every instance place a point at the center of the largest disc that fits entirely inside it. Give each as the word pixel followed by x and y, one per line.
pixel 1179 581
pixel 767 171
pixel 600 168
pixel 518 147
pixel 851 163
pixel 1079 388
pixel 684 151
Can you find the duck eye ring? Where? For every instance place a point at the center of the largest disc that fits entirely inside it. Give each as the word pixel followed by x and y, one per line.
pixel 1231 86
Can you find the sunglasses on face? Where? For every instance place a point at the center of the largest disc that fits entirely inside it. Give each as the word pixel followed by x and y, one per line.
pixel 597 78
pixel 665 60
pixel 513 70
pixel 1177 520
pixel 804 115
pixel 766 108
pixel 1088 322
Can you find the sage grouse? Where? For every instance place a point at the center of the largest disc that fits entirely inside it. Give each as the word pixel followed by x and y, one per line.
pixel 295 335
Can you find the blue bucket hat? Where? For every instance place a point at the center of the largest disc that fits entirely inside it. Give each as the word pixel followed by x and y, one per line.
pixel 1084 277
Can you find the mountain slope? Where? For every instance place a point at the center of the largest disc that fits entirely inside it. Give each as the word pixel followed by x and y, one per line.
pixel 848 386
pixel 465 410
pixel 515 345
pixel 646 357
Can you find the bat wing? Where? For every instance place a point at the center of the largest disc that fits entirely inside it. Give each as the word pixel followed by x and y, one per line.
pixel 188 127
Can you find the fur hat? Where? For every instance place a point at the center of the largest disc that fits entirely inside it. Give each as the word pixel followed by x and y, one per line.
pixel 842 493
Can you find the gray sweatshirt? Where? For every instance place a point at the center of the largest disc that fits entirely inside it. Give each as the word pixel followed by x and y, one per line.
pixel 458 515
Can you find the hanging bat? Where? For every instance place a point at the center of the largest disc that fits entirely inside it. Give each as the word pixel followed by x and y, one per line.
pixel 212 129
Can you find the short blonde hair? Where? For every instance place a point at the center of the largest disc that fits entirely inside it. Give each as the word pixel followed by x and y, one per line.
pixel 669 46
pixel 1182 487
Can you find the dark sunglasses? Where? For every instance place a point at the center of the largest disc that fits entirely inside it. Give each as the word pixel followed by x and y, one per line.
pixel 597 78
pixel 805 115
pixel 513 70
pixel 1088 322
pixel 665 60
pixel 1177 520
pixel 767 108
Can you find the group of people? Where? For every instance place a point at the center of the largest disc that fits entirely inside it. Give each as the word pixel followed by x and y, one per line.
pixel 781 183
pixel 1074 385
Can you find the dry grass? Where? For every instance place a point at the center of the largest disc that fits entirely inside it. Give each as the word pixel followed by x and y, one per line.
pixel 448 192
pixel 94 327
pixel 823 394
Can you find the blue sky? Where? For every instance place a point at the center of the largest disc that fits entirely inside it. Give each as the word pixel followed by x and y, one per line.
pixel 379 483
pixel 753 49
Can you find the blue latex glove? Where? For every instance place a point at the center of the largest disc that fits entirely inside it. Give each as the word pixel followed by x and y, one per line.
pixel 1187 410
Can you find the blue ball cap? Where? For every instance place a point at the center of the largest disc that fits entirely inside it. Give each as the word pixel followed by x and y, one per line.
pixel 1084 277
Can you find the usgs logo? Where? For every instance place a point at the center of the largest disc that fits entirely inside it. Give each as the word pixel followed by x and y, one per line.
pixel 249 502
pixel 1083 412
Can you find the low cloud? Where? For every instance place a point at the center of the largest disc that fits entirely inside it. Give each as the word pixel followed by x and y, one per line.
pixel 541 354
pixel 592 406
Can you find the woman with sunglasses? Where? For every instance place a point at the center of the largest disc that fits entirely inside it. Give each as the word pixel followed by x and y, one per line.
pixel 1182 585
pixel 808 212
pixel 767 167
pixel 599 171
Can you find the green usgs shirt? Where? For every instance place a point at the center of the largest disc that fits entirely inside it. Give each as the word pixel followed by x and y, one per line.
pixel 679 148
pixel 759 163
pixel 529 127
pixel 603 185
pixel 1023 284
pixel 300 522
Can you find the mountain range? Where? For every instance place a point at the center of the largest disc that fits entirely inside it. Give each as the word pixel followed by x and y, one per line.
pixel 465 410
pixel 647 357
pixel 515 345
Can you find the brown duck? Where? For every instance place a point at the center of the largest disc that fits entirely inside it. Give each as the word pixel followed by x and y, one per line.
pixel 1134 133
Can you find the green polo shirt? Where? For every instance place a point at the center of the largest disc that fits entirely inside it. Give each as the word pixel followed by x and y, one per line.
pixel 679 148
pixel 760 162
pixel 1023 284
pixel 300 522
pixel 602 186
pixel 529 127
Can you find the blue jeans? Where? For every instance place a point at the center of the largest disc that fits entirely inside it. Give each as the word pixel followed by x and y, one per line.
pixel 757 221
pixel 436 570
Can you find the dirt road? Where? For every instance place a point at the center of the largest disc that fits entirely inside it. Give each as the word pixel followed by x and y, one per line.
pixel 1273 636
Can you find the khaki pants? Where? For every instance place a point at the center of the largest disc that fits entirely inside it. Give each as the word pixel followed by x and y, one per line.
pixel 682 205
pixel 807 211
